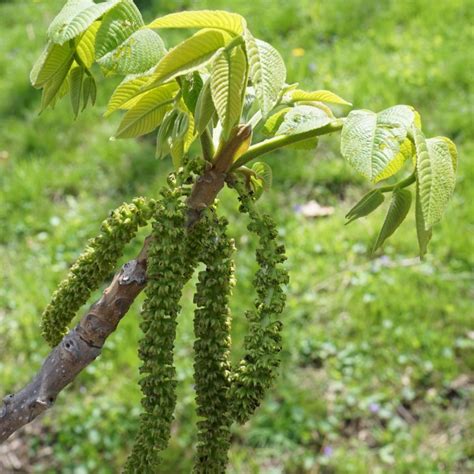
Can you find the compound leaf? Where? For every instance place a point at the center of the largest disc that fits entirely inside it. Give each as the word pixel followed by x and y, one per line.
pixel 53 59
pixel 204 107
pixel 76 76
pixel 86 45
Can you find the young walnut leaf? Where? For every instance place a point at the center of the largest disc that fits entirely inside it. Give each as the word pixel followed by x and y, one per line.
pixel 52 60
pixel 303 118
pixel 128 89
pixel 190 55
pixel 228 76
pixel 371 201
pixel 217 19
pixel 75 17
pixel 148 112
pixel 272 124
pixel 137 54
pixel 76 76
pixel 436 173
pixel 85 47
pixel 328 97
pixel 267 71
pixel 89 91
pixel 204 107
pixel 422 232
pixel 398 210
pixel 376 144
pixel 117 25
pixel 264 173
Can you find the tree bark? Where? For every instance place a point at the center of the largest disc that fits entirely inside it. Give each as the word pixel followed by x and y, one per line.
pixel 78 348
pixel 83 344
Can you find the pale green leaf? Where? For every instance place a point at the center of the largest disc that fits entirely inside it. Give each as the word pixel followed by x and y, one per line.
pixel 303 118
pixel 128 89
pixel 137 54
pixel 89 91
pixel 422 232
pixel 85 47
pixel 273 122
pixel 266 70
pixel 148 112
pixel 436 158
pixel 217 19
pixel 56 87
pixel 76 76
pixel 53 59
pixel 75 17
pixel 398 210
pixel 190 55
pixel 369 203
pixel 164 134
pixel 372 142
pixel 229 71
pixel 264 173
pixel 204 107
pixel 116 26
pixel 328 97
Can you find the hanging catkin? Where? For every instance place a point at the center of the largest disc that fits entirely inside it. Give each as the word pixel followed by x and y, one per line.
pixel 93 266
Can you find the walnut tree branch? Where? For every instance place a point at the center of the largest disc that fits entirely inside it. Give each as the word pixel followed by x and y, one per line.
pixel 83 344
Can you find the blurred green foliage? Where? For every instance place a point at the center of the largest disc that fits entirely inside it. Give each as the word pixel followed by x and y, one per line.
pixel 378 351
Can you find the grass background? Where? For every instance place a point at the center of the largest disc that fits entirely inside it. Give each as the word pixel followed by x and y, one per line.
pixel 377 369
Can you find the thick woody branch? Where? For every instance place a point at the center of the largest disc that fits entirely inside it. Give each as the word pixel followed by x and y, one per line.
pixel 83 344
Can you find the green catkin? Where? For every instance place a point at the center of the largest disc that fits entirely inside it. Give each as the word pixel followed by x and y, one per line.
pixel 93 266
pixel 212 347
pixel 169 266
pixel 257 370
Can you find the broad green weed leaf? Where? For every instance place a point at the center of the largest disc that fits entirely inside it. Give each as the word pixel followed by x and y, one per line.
pixel 372 143
pixel 328 97
pixel 137 54
pixel 228 76
pixel 369 203
pixel 116 26
pixel 75 88
pixel 128 89
pixel 217 19
pixel 398 210
pixel 267 71
pixel 422 232
pixel 75 17
pixel 436 165
pixel 148 112
pixel 303 118
pixel 190 55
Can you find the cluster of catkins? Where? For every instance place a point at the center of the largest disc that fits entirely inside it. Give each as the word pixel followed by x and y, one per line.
pixel 224 393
